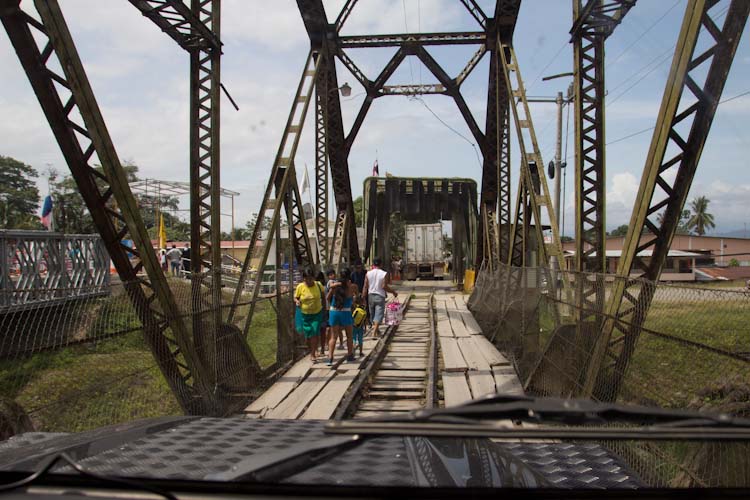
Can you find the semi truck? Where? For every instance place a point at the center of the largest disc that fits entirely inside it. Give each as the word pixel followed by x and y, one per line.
pixel 424 252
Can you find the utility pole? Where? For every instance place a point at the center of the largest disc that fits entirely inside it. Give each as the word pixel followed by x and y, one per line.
pixel 558 164
pixel 558 155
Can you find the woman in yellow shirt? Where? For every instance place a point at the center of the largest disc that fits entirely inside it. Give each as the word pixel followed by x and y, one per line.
pixel 308 297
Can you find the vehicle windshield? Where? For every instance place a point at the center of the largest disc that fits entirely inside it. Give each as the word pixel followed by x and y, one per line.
pixel 370 269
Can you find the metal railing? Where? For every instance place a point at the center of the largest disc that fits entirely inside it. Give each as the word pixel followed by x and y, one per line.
pixel 40 268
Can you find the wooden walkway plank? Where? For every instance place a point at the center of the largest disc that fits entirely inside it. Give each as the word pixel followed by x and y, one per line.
pixel 472 354
pixel 400 374
pixel 380 405
pixel 453 360
pixel 457 324
pixel 489 351
pixel 506 381
pixel 471 324
pixel 325 403
pixel 455 389
pixel 481 383
pixel 295 403
pixel 395 394
pixel 281 389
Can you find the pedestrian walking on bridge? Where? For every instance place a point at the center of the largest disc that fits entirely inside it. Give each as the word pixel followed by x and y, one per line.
pixel 308 297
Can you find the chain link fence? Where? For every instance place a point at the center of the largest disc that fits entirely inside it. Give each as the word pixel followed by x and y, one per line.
pixel 688 349
pixel 83 363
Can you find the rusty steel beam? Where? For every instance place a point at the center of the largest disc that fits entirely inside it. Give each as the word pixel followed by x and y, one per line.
pixel 321 170
pixel 423 89
pixel 495 173
pixel 180 23
pixel 676 146
pixel 454 92
pixel 346 10
pixel 464 74
pixel 476 12
pixel 106 193
pixel 372 93
pixel 205 198
pixel 399 39
pixel 593 23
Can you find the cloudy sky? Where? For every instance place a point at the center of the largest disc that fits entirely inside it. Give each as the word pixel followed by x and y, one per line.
pixel 140 78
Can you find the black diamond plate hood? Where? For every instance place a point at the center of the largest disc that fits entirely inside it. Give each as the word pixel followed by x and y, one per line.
pixel 199 448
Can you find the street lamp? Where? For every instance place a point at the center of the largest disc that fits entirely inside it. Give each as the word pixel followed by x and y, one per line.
pixel 345 89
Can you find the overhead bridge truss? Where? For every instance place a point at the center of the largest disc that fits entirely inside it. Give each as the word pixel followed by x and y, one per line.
pixel 505 235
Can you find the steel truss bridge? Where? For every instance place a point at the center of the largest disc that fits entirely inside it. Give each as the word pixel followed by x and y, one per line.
pixel 510 231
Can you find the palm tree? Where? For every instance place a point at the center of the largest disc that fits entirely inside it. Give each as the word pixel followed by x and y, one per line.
pixel 701 219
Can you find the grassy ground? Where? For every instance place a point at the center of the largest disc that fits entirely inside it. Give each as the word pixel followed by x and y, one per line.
pixel 114 380
pixel 671 373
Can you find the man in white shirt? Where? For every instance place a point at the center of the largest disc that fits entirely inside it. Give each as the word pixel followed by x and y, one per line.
pixel 377 286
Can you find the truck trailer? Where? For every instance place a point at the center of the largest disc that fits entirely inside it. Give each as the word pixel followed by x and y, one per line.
pixel 424 252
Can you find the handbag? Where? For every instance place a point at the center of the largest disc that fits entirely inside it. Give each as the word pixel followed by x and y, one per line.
pixel 393 313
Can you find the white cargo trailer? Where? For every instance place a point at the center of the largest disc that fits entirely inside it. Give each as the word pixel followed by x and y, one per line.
pixel 424 251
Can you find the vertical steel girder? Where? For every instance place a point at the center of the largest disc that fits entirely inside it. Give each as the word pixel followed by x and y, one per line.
pixel 281 190
pixel 532 180
pixel 495 197
pixel 106 193
pixel 205 199
pixel 592 25
pixel 670 165
pixel 504 221
pixel 338 155
pixel 321 170
pixel 589 164
pixel 489 251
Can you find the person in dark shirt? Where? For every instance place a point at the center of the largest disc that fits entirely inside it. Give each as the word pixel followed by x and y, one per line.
pixel 358 275
pixel 186 259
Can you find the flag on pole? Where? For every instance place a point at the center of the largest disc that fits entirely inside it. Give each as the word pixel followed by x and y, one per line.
pixel 375 171
pixel 305 181
pixel 162 233
pixel 46 217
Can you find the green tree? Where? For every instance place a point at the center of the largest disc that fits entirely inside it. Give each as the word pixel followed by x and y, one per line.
pixel 250 225
pixel 701 218
pixel 682 225
pixel 72 215
pixel 619 231
pixel 19 196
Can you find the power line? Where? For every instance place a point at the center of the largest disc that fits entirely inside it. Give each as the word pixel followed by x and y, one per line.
pixel 643 131
pixel 533 82
pixel 619 56
pixel 406 27
pixel 661 59
pixel 417 98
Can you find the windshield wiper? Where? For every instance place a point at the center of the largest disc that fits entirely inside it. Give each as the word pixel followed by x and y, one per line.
pixel 288 461
pixel 493 416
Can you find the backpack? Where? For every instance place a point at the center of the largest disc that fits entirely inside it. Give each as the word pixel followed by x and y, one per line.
pixel 358 316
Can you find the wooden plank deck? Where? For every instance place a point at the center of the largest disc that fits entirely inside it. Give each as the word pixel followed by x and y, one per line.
pixel 470 367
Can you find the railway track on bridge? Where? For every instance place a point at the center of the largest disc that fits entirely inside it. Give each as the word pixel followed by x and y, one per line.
pixel 401 375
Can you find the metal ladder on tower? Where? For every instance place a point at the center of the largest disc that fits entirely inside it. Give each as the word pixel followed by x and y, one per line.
pixel 532 180
pixel 282 182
